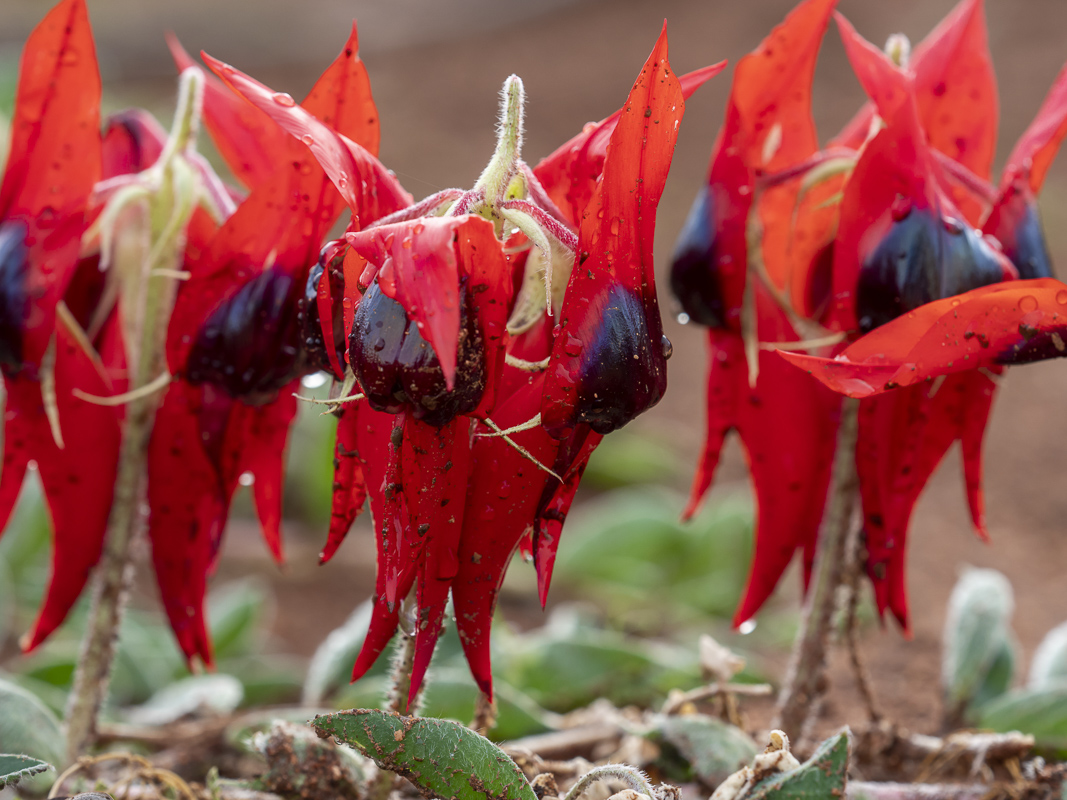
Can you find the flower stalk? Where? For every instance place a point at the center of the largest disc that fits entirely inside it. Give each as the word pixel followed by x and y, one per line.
pixel 146 270
pixel 805 680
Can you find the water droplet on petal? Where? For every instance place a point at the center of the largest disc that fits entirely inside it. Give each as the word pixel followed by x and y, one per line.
pixel 1061 297
pixel 308 139
pixel 746 627
pixel 683 318
pixel 668 348
pixel 901 208
pixel 284 100
pixel 953 226
pixel 1028 303
pixel 246 479
pixel 615 226
pixel 573 347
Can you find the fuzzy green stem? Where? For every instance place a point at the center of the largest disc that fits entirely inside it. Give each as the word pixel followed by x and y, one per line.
pixel 805 678
pixel 149 288
pixel 504 164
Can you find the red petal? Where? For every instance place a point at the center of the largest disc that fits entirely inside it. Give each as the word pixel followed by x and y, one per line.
pixel 54 158
pixel 78 480
pixel 247 140
pixel 133 141
pixel 349 481
pixel 570 173
pixel 367 186
pixel 495 521
pixel 187 512
pixel 1033 153
pixel 555 504
pixel 1005 323
pixel 956 93
pixel 625 202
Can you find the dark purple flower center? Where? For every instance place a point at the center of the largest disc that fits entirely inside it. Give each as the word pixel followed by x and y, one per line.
pixel 14 304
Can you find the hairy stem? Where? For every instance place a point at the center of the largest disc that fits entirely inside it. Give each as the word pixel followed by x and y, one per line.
pixel 806 676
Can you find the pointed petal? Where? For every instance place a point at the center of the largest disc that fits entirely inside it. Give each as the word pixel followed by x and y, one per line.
pixel 349 482
pixel 78 479
pixel 569 174
pixel 1033 153
pixel 610 317
pixel 247 140
pixel 1007 323
pixel 367 186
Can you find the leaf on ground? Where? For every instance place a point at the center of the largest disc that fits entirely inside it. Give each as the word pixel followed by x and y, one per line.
pixel 441 758
pixel 820 777
pixel 713 748
pixel 1041 712
pixel 14 768
pixel 212 694
pixel 27 726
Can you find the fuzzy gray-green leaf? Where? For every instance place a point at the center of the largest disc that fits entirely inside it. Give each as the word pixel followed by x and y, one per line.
pixel 27 726
pixel 714 748
pixel 820 777
pixel 440 757
pixel 14 768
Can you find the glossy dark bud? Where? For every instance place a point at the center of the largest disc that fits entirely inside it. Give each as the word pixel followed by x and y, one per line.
pixel 901 273
pixel 622 373
pixel 1016 224
pixel 693 280
pixel 397 369
pixel 330 263
pixel 250 344
pixel 14 305
pixel 968 261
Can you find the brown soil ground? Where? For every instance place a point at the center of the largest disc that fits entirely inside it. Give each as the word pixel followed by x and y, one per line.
pixel 437 87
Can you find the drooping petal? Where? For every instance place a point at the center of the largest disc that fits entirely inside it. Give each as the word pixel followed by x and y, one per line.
pixel 78 478
pixel 611 333
pixel 1007 323
pixel 903 436
pixel 349 479
pixel 788 425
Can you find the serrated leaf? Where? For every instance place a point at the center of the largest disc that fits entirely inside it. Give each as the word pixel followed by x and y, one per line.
pixel 977 629
pixel 1050 659
pixel 14 768
pixel 441 758
pixel 821 776
pixel 1041 712
pixel 215 694
pixel 713 748
pixel 27 726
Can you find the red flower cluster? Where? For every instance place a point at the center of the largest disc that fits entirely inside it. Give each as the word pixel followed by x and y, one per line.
pixel 493 335
pixel 793 248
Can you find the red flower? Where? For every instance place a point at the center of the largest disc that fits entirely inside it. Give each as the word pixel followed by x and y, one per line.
pixel 480 412
pixel 850 238
pixel 53 164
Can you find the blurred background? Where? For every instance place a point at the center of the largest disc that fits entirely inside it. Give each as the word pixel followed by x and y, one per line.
pixel 436 68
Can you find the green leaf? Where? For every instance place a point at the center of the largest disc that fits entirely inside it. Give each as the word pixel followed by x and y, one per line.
pixel 997 679
pixel 441 758
pixel 451 693
pixel 628 459
pixel 27 726
pixel 217 694
pixel 821 776
pixel 1041 712
pixel 1050 659
pixel 14 768
pixel 331 666
pixel 977 630
pixel 712 747
pixel 236 614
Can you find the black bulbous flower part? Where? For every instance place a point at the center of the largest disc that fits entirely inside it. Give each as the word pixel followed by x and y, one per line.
pixel 14 303
pixel 921 258
pixel 398 369
pixel 250 346
pixel 693 281
pixel 1016 224
pixel 622 371
pixel 331 264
